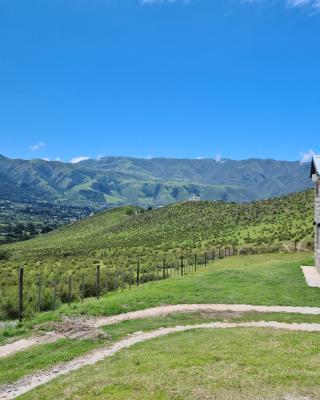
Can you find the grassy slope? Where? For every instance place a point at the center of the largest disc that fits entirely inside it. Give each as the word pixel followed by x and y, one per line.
pixel 268 279
pixel 179 227
pixel 44 356
pixel 230 364
pixel 117 238
pixel 39 357
pixel 118 331
pixel 263 279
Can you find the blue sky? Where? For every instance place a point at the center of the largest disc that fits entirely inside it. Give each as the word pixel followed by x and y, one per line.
pixel 192 78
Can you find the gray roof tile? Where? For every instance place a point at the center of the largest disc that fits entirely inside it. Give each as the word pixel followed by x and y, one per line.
pixel 315 166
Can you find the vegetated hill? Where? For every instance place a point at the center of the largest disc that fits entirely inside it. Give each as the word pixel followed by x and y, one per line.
pixel 117 238
pixel 115 181
pixel 126 232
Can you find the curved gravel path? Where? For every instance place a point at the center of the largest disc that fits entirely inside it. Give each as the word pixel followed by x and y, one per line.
pixel 186 308
pixel 23 344
pixel 28 383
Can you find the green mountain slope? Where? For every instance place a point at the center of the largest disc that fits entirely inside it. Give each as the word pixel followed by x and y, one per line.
pixel 129 231
pixel 115 181
pixel 117 238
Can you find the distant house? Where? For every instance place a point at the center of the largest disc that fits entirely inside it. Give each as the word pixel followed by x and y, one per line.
pixel 315 176
pixel 194 198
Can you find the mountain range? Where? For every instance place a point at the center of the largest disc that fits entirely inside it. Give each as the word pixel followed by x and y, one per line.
pixel 114 181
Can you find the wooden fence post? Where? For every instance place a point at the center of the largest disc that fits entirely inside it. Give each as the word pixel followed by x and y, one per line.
pixel 138 273
pixel 20 294
pixel 195 262
pixel 98 282
pixel 205 258
pixel 181 265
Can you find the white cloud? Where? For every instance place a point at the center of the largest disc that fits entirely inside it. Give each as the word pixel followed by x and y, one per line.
pixel 307 156
pixel 37 146
pixel 76 160
pixel 299 3
pixel 45 159
pixel 311 4
pixel 218 158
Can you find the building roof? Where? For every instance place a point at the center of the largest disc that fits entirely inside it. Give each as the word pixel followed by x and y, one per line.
pixel 315 166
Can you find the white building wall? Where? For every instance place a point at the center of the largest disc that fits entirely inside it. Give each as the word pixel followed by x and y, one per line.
pixel 317 226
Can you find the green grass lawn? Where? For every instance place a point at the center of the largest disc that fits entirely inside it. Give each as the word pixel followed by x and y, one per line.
pixel 238 364
pixel 42 356
pixel 267 279
pixel 118 331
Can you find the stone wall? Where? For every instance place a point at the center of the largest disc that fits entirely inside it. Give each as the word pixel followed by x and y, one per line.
pixel 317 229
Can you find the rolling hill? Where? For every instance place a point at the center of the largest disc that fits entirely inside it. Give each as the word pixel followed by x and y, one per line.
pixel 182 226
pixel 117 238
pixel 115 181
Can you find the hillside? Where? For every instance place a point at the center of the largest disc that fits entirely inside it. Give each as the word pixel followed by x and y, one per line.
pixel 123 233
pixel 117 238
pixel 115 181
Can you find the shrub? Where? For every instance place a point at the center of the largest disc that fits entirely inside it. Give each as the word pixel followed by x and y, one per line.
pixel 4 255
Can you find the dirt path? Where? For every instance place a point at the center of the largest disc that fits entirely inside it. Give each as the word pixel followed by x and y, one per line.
pixel 31 382
pixel 186 308
pixel 23 344
pixel 51 337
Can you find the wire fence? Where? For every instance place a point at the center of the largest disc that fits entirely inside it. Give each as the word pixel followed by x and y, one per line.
pixel 43 293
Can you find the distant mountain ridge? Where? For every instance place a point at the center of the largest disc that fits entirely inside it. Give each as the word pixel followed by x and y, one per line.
pixel 117 181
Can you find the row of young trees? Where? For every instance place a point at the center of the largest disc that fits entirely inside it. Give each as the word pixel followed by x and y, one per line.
pixel 34 292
